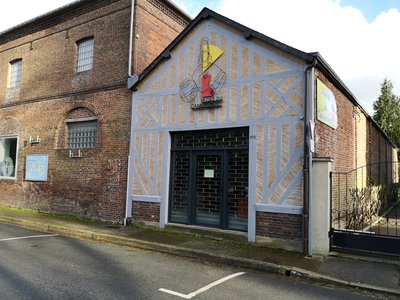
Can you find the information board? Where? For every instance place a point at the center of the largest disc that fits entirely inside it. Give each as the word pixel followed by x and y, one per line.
pixel 36 167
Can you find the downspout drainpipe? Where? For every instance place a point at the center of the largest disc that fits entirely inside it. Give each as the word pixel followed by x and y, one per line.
pixel 131 48
pixel 308 139
pixel 132 78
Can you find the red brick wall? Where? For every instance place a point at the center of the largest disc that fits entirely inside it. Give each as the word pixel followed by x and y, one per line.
pixel 339 143
pixel 49 56
pixel 51 92
pixel 274 225
pixel 93 185
pixel 342 144
pixel 154 31
pixel 379 150
pixel 146 211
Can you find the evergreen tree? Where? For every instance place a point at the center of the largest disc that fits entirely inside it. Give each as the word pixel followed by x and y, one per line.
pixel 387 112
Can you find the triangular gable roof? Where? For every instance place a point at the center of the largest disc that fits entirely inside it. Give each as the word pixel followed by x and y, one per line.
pixel 247 34
pixel 312 58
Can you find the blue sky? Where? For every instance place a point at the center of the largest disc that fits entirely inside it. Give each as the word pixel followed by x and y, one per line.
pixel 372 8
pixel 193 7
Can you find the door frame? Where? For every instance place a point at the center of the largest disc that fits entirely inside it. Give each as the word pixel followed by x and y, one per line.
pixel 223 213
pixel 220 149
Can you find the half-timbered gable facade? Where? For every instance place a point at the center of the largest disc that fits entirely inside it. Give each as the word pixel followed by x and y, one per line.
pixel 225 129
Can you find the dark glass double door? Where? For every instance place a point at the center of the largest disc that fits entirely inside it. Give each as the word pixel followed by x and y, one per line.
pixel 209 188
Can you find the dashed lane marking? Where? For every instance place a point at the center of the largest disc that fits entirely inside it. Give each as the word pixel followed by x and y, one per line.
pixel 203 289
pixel 27 237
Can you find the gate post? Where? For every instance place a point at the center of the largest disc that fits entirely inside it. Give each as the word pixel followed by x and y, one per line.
pixel 320 206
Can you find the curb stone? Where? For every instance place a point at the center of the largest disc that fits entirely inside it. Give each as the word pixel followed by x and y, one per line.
pixel 365 258
pixel 70 231
pixel 333 280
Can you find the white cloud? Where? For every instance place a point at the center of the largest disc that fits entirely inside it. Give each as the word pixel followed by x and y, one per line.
pixel 361 53
pixel 182 5
pixel 15 12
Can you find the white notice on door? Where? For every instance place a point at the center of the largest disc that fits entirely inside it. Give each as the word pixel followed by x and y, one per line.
pixel 208 173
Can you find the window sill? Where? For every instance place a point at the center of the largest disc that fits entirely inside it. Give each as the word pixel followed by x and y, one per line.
pixel 8 178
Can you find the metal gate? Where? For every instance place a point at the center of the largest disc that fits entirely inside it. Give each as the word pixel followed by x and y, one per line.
pixel 365 209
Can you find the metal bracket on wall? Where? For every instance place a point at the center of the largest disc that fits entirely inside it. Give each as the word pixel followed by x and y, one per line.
pixel 34 140
pixel 71 154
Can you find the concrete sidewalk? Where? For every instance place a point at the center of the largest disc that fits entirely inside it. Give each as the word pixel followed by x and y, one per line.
pixel 382 275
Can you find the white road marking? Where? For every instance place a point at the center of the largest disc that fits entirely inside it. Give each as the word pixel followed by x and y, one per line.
pixel 28 237
pixel 203 289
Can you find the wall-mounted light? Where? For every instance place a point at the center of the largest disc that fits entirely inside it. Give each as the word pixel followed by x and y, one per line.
pixel 78 154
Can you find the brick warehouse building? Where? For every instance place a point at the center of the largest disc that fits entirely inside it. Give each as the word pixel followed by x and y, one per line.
pixel 65 105
pixel 228 127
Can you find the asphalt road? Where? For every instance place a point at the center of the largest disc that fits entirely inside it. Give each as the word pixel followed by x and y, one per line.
pixel 38 266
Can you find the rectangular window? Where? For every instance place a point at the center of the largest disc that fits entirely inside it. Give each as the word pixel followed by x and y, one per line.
pixel 14 80
pixel 84 60
pixel 8 157
pixel 82 134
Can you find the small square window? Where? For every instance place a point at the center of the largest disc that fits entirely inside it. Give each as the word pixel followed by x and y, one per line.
pixel 8 157
pixel 84 60
pixel 14 78
pixel 82 134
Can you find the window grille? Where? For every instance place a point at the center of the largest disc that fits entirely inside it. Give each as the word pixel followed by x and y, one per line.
pixel 15 73
pixel 85 55
pixel 82 134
